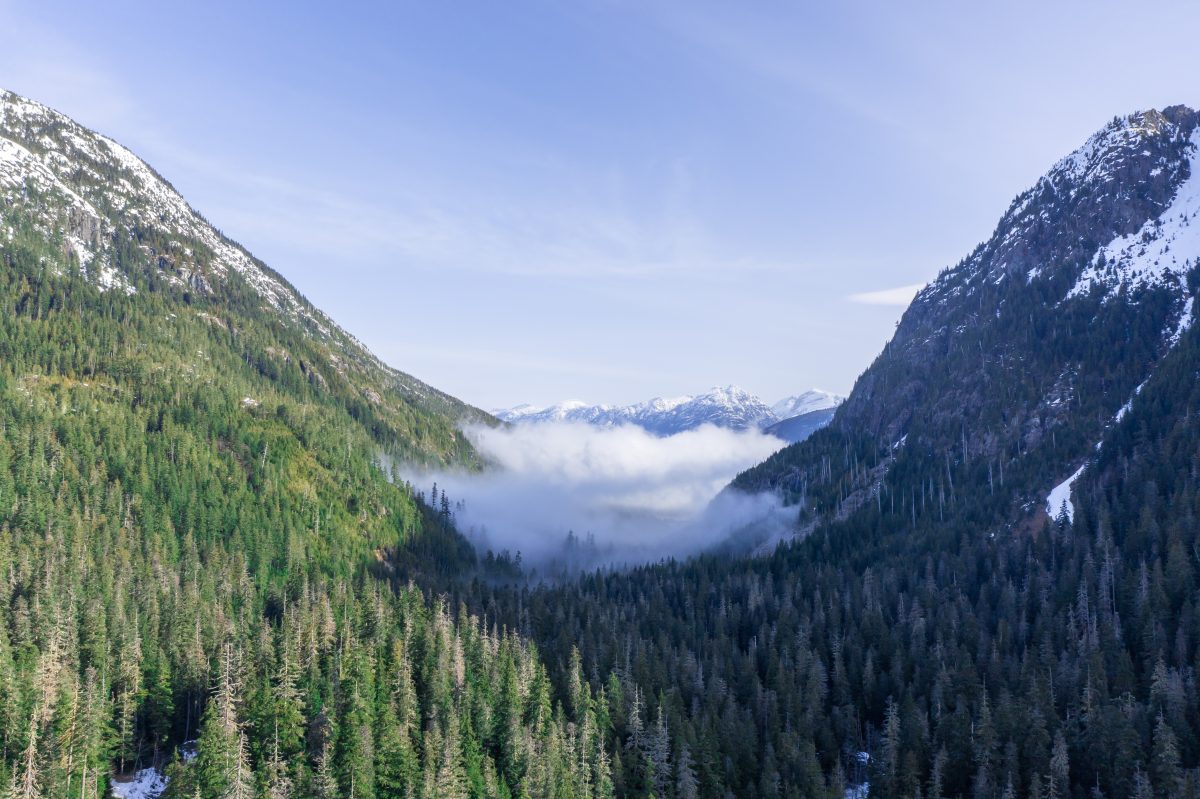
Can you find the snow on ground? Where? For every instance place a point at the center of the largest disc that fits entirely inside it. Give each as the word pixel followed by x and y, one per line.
pixel 1185 321
pixel 1128 405
pixel 1102 155
pixel 863 789
pixel 1157 253
pixel 812 400
pixel 146 784
pixel 1059 500
pixel 143 197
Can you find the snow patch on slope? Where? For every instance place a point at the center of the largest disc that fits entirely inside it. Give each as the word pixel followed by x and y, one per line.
pixel 1124 409
pixel 1161 252
pixel 1059 500
pixel 1100 156
pixel 147 783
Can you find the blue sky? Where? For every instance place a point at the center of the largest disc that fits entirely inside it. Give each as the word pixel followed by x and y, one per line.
pixel 528 201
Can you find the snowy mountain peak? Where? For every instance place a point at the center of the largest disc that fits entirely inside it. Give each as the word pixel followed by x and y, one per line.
pixel 94 194
pixel 1105 151
pixel 1162 251
pixel 1114 215
pixel 812 400
pixel 1086 283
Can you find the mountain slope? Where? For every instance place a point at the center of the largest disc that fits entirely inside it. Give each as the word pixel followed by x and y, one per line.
pixel 797 428
pixel 101 211
pixel 934 631
pixel 1017 359
pixel 198 539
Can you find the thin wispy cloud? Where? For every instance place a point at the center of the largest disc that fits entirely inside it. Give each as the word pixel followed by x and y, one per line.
pixel 416 228
pixel 739 41
pixel 599 227
pixel 901 295
pixel 496 235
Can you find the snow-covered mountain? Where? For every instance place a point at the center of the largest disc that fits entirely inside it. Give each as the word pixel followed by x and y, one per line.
pixel 812 400
pixel 1027 355
pixel 727 406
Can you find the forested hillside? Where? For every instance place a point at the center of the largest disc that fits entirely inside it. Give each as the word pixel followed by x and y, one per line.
pixel 194 521
pixel 210 572
pixel 1049 660
pixel 75 203
pixel 934 631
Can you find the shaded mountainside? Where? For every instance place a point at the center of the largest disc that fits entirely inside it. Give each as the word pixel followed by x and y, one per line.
pixel 935 632
pixel 1016 360
pixel 798 428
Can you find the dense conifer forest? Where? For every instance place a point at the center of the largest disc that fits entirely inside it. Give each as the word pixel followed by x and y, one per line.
pixel 1051 660
pixel 211 569
pixel 189 552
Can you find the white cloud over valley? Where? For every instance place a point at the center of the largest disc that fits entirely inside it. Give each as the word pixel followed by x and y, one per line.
pixel 640 496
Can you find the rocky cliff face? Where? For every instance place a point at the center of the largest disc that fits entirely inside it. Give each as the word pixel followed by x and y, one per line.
pixel 1045 262
pixel 1021 355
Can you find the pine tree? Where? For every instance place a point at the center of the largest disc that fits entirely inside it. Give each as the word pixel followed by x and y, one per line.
pixel 324 783
pixel 890 760
pixel 1142 788
pixel 241 780
pixel 279 783
pixel 659 753
pixel 1058 782
pixel 1166 772
pixel 26 783
pixel 222 760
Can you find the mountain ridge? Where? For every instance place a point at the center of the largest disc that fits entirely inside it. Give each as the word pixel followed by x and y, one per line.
pixel 723 406
pixel 1000 356
pixel 128 229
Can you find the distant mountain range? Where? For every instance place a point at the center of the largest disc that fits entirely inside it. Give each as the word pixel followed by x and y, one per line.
pixel 792 418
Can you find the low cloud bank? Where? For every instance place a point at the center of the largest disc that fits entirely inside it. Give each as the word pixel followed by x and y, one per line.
pixel 625 494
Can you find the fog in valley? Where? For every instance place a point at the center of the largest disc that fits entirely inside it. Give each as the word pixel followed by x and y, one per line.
pixel 572 496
